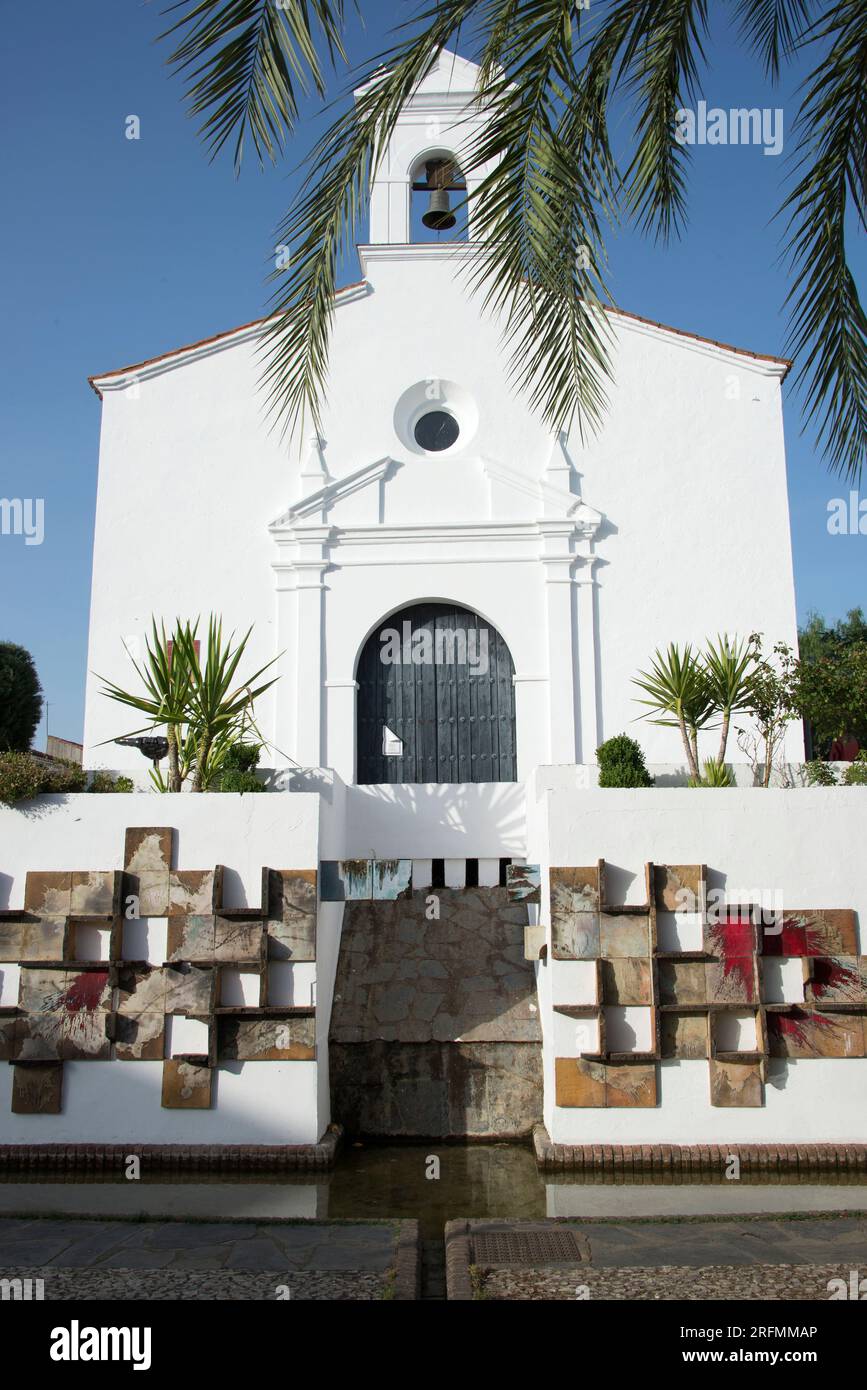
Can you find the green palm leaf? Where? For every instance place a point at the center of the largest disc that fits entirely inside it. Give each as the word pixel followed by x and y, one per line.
pixel 245 62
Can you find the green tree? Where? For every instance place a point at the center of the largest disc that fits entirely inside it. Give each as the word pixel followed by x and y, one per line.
pixel 832 693
pixel 20 698
pixel 556 77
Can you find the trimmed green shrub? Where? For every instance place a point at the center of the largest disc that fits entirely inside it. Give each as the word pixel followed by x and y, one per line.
pixel 104 782
pixel 242 757
pixel 820 773
pixel 621 763
pixel 23 776
pixel 20 698
pixel 237 781
pixel 856 773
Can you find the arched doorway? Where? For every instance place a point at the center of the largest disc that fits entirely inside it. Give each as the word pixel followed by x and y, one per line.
pixel 436 701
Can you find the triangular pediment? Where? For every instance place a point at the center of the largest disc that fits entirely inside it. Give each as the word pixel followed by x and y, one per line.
pixel 315 507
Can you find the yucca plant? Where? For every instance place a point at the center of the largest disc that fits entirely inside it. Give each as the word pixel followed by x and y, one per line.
pixel 728 667
pixel 219 712
pixel 715 774
pixel 202 709
pixel 679 697
pixel 167 679
pixel 555 76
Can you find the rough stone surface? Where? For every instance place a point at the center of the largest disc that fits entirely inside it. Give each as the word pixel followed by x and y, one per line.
pixel 439 1090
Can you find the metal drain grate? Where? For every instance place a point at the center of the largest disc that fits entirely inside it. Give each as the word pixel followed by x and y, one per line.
pixel 526 1248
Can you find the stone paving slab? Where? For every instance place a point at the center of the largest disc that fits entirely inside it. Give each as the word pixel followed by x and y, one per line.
pixel 309 1245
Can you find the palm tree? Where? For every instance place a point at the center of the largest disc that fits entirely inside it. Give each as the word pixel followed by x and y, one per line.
pixel 551 73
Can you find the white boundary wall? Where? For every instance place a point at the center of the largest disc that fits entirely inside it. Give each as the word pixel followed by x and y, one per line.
pixel 807 843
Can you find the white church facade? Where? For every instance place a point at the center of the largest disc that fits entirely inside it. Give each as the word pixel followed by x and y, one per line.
pixel 583 556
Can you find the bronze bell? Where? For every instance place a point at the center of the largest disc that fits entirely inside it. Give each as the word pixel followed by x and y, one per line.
pixel 439 216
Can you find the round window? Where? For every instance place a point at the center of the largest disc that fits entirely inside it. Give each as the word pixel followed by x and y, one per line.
pixel 435 431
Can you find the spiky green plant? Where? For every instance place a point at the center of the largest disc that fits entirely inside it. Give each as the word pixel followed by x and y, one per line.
pixel 678 696
pixel 201 707
pixel 554 76
pixel 167 680
pixel 728 666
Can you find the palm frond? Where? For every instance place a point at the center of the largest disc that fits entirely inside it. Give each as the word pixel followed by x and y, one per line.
pixel 774 28
pixel 245 62
pixel 827 326
pixel 660 67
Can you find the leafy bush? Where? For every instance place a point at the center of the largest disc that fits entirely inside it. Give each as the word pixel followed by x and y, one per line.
pixel 20 698
pixel 237 781
pixel 621 763
pixel 104 782
pixel 242 757
pixel 23 776
pixel 820 773
pixel 856 773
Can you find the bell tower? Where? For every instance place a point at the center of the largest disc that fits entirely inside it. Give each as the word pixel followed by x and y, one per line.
pixel 436 127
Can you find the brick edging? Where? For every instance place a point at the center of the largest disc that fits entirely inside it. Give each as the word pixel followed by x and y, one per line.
pixel 458 1283
pixel 697 1160
pixel 200 1158
pixel 407 1263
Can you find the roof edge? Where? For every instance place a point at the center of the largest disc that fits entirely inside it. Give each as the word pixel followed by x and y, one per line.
pixel 249 328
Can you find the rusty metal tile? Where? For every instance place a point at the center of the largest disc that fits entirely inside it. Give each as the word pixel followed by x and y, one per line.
pixel 37 1090
pixel 627 981
pixel 834 980
pixel 679 887
pixel 736 1084
pixel 524 883
pixel 191 938
pixel 346 880
pixel 95 894
pixel 48 894
pixel 239 942
pixel 291 925
pixel 148 849
pixel 190 991
pixel 632 1087
pixel 731 981
pixel 682 982
pixel 141 1038
pixel 579 1083
pixel 268 1039
pixel 186 1085
pixel 626 934
pixel 684 1035
pixel 191 892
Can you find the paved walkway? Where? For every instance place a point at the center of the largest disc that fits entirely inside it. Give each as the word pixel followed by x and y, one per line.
pixel 176 1259
pixel 660 1260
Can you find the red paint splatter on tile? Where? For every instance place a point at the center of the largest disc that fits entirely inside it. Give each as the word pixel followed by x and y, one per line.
pixel 85 992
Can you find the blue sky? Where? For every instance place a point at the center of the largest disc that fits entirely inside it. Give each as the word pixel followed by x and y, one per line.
pixel 116 250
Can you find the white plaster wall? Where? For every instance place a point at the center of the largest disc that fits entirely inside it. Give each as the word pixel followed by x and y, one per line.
pixel 806 844
pixel 119 1103
pixel 436 821
pixel 688 472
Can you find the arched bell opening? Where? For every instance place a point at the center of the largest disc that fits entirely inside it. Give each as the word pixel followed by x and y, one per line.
pixel 438 199
pixel 436 699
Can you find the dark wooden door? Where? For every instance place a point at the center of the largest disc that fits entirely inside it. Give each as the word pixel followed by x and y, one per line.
pixel 436 702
